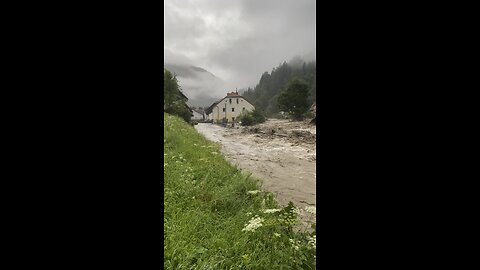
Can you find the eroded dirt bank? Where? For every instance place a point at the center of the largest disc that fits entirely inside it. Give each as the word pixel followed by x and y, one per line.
pixel 279 152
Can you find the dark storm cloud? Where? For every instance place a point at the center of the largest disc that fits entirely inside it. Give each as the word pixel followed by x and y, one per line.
pixel 238 40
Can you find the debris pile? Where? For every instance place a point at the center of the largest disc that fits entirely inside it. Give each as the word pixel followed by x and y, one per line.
pixel 294 132
pixel 303 135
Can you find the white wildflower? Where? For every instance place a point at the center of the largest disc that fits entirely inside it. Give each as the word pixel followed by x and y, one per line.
pixel 312 241
pixel 276 234
pixel 294 244
pixel 249 213
pixel 253 224
pixel 269 211
pixel 253 192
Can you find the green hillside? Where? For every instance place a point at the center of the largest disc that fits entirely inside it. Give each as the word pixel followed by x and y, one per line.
pixel 266 92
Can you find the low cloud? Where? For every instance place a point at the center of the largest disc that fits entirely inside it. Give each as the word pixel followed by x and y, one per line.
pixel 236 40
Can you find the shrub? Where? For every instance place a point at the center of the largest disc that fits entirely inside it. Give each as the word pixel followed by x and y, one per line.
pixel 180 109
pixel 246 119
pixel 252 118
pixel 258 116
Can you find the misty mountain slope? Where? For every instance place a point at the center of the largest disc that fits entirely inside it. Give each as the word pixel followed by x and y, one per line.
pixel 200 86
pixel 187 71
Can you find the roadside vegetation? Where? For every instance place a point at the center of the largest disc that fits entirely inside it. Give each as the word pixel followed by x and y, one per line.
pixel 174 101
pixel 215 217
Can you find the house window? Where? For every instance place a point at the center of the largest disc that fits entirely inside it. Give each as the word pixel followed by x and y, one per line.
pixel 243 109
pixel 233 109
pixel 223 109
pixel 233 119
pixel 237 100
pixel 230 100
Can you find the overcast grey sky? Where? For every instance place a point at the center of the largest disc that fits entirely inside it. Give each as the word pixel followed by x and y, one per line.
pixel 238 40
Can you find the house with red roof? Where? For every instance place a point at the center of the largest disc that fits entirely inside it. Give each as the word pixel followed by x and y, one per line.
pixel 229 108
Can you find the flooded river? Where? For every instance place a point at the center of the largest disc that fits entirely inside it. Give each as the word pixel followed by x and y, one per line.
pixel 286 168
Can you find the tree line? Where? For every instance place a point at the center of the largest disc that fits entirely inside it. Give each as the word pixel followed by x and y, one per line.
pixel 174 101
pixel 289 88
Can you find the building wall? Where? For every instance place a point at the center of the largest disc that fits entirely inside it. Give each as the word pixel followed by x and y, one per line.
pixel 228 104
pixel 197 116
pixel 215 113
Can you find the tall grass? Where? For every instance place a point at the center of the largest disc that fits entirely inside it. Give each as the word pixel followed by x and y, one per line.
pixel 215 217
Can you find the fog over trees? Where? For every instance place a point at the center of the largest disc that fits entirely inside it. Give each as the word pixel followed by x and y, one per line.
pixel 235 41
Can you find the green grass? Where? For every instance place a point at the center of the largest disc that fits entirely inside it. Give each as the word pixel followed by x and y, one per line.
pixel 207 205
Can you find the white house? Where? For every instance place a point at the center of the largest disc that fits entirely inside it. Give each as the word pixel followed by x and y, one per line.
pixel 197 115
pixel 229 108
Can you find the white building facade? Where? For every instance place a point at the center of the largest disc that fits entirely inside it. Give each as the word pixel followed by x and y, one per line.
pixel 229 108
pixel 197 116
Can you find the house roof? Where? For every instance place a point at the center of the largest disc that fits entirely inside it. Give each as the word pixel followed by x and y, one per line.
pixel 233 94
pixel 197 111
pixel 209 110
pixel 189 109
pixel 229 95
pixel 237 96
pixel 181 94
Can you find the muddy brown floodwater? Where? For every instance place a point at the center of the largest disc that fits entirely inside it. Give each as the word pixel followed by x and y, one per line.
pixel 281 153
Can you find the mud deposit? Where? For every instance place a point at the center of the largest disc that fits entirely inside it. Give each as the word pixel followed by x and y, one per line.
pixel 279 152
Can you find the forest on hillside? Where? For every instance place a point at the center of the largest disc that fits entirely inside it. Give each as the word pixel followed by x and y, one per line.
pixel 266 92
